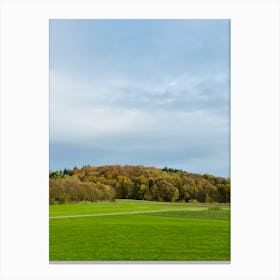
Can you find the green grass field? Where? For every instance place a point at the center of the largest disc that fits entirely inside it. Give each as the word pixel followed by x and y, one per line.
pixel 140 231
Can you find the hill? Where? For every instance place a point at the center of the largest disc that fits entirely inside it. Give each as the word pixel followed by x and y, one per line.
pixel 101 183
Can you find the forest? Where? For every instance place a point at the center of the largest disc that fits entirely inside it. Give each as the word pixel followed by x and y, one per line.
pixel 110 182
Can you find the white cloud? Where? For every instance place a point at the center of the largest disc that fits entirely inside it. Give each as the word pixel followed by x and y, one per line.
pixel 83 110
pixel 168 104
pixel 95 123
pixel 121 121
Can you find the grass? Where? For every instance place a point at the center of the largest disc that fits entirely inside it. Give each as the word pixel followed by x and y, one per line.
pixel 121 205
pixel 176 232
pixel 208 214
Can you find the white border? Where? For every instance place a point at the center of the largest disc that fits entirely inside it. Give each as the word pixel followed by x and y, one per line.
pixel 254 137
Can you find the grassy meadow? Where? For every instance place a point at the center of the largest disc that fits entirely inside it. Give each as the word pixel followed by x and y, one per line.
pixel 135 230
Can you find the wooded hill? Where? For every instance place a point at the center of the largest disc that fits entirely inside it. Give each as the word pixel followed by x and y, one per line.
pixel 109 182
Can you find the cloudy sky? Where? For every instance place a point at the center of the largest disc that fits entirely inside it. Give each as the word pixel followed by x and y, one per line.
pixel 148 92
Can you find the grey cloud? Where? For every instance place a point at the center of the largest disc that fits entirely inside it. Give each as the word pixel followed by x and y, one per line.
pixel 192 145
pixel 185 93
pixel 194 158
pixel 140 92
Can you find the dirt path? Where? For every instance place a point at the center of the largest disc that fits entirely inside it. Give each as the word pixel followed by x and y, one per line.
pixel 124 213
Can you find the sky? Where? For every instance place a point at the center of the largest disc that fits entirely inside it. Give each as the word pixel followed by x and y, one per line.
pixel 140 92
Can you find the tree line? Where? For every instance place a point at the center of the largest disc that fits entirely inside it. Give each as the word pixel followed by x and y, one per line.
pixel 106 183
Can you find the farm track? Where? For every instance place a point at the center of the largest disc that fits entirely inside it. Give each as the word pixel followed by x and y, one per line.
pixel 123 213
